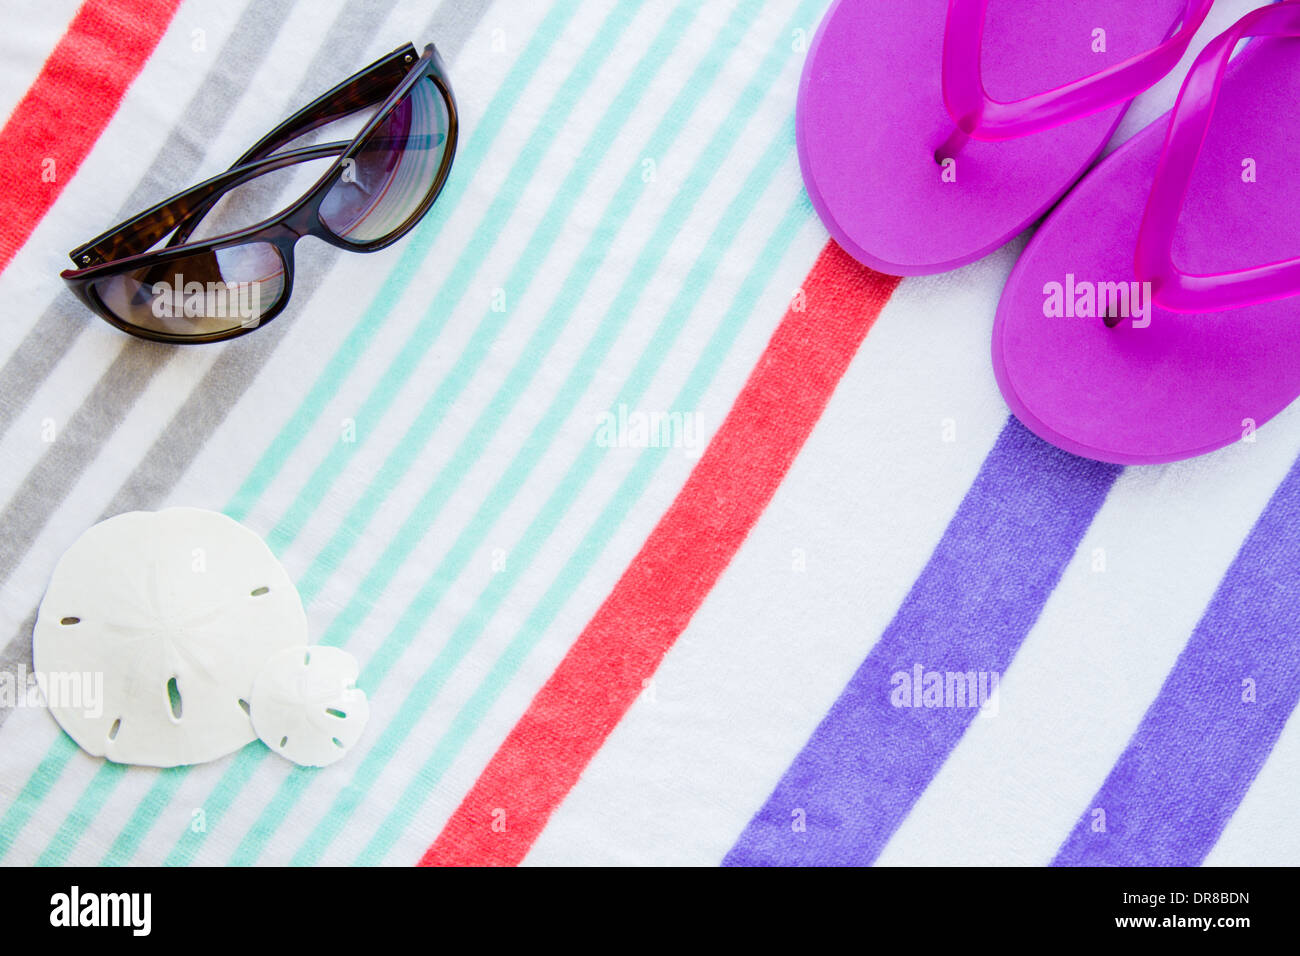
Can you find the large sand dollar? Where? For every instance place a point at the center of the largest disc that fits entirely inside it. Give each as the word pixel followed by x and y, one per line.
pixel 176 612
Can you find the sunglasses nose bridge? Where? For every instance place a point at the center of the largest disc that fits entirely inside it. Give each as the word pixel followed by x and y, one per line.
pixel 294 228
pixel 284 239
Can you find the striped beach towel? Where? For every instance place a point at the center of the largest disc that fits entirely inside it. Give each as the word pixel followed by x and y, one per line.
pixel 846 612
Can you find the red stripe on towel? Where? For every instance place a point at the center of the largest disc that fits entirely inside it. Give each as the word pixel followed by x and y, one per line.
pixel 603 672
pixel 69 104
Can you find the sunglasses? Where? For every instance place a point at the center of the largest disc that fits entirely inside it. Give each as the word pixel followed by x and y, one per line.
pixel 379 185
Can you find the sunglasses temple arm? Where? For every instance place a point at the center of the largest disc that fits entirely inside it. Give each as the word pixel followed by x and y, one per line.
pixel 367 87
pixel 140 233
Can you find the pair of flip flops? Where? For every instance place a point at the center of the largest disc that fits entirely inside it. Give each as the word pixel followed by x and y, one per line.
pixel 1154 315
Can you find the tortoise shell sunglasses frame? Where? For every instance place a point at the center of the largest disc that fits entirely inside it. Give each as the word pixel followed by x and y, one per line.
pixel 124 248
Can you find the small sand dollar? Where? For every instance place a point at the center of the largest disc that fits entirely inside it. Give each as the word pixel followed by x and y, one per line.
pixel 307 707
pixel 173 613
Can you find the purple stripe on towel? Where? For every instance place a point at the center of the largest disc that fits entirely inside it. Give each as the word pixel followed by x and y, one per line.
pixel 1202 742
pixel 970 609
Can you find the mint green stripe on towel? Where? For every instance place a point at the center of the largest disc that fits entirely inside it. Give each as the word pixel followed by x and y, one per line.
pixel 444 301
pixel 88 804
pixel 647 366
pixel 40 783
pixel 534 351
pixel 468 365
pixel 471 715
pixel 418 246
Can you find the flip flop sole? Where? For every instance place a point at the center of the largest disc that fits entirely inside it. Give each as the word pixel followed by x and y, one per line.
pixel 1183 384
pixel 870 117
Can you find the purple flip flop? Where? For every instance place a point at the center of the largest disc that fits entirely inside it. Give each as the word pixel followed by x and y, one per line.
pixel 1033 90
pixel 1150 319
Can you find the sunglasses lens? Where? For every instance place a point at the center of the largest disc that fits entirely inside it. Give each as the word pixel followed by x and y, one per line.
pixel 384 184
pixel 202 294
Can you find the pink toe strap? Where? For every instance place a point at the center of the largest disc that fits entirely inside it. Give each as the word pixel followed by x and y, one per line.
pixel 983 118
pixel 1173 289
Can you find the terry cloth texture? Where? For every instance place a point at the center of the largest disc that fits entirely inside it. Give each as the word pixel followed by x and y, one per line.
pixel 582 644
